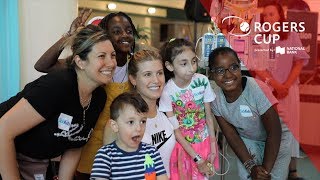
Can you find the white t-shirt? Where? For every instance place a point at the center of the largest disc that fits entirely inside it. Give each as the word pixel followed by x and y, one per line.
pixel 188 106
pixel 121 74
pixel 160 133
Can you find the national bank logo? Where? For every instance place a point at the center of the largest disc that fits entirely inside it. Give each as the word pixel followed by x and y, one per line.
pixel 289 50
pixel 280 50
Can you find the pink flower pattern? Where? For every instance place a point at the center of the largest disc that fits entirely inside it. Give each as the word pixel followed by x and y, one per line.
pixel 191 116
pixel 187 96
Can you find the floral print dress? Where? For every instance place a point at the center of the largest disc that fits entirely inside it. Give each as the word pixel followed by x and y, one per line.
pixel 188 106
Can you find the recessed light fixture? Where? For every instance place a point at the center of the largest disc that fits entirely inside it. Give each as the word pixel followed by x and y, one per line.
pixel 112 6
pixel 151 10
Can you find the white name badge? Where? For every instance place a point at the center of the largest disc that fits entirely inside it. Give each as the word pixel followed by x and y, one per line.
pixel 38 176
pixel 64 122
pixel 245 111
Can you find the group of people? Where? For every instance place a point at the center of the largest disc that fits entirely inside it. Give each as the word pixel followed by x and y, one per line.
pixel 111 111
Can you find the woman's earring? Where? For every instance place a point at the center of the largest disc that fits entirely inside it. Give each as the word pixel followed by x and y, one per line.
pixel 134 86
pixel 132 50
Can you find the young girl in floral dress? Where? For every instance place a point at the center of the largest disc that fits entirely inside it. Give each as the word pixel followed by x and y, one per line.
pixel 186 101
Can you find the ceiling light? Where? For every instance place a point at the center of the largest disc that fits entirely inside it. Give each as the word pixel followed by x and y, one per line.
pixel 151 10
pixel 112 6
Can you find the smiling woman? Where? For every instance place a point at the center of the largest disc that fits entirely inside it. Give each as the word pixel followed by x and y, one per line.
pixel 121 30
pixel 147 76
pixel 55 114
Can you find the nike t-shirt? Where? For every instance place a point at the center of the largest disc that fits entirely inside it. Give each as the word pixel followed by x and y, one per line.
pixel 160 133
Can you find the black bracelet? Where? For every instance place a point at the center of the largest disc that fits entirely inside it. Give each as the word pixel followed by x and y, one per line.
pixel 197 158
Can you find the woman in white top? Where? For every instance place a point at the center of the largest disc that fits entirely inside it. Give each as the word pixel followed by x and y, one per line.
pixel 147 77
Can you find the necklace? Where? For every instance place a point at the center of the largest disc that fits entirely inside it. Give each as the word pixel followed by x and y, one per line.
pixel 152 115
pixel 84 111
pixel 85 108
pixel 84 102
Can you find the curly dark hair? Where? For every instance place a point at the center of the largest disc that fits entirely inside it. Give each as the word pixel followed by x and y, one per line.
pixel 105 22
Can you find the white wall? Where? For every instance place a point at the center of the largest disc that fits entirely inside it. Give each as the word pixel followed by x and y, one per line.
pixel 42 23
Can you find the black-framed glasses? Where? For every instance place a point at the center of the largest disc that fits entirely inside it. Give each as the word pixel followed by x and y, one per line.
pixel 222 71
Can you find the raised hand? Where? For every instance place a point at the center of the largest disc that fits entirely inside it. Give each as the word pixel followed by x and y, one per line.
pixel 80 20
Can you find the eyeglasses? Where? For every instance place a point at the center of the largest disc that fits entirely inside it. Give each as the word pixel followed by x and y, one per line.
pixel 222 71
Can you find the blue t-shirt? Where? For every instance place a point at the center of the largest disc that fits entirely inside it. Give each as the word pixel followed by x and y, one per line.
pixel 111 162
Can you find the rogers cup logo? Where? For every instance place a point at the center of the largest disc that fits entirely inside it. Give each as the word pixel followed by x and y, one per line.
pixel 262 29
pixel 244 26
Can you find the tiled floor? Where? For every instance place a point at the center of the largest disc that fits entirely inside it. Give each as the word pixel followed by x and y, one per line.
pixel 305 168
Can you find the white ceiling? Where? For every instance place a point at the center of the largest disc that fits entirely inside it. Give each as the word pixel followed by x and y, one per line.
pixel 178 4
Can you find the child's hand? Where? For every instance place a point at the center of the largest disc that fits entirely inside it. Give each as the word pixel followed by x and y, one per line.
pixel 80 20
pixel 259 172
pixel 212 170
pixel 205 167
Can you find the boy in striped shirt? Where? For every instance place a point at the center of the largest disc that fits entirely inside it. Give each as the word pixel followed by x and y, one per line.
pixel 127 157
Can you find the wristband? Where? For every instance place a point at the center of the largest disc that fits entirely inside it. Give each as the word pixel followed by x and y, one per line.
pixel 249 164
pixel 197 158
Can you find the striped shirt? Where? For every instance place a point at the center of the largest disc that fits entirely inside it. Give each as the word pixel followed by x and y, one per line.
pixel 111 162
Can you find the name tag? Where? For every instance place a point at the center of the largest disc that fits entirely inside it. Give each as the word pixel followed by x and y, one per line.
pixel 64 122
pixel 38 176
pixel 245 111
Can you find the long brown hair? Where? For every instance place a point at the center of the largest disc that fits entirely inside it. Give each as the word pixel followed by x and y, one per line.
pixel 82 42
